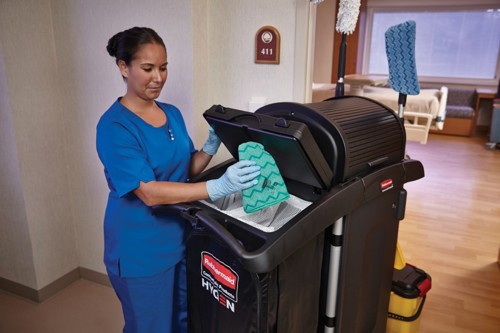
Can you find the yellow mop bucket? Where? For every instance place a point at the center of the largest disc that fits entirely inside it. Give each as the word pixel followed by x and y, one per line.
pixel 409 288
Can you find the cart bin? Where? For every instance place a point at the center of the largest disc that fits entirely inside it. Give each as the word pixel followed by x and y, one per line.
pixel 225 297
pixel 409 291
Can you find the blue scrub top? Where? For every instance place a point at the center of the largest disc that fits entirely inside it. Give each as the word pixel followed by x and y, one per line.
pixel 137 242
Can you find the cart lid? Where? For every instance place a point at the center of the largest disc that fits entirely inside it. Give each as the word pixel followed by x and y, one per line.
pixel 291 144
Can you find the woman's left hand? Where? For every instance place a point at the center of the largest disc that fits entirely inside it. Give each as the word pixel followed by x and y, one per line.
pixel 212 144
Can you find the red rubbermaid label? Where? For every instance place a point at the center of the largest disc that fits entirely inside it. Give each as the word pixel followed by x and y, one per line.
pixel 386 185
pixel 219 271
pixel 220 280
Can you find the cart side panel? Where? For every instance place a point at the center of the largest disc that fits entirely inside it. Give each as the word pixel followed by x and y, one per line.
pixel 299 281
pixel 370 237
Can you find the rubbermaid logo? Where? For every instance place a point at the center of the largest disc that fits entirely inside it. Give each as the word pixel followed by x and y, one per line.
pixel 219 270
pixel 386 185
pixel 220 280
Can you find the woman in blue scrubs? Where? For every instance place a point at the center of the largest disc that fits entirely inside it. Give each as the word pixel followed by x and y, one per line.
pixel 148 158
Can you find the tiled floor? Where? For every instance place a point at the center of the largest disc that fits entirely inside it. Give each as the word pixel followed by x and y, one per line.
pixel 83 307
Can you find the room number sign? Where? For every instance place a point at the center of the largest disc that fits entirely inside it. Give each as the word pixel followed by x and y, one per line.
pixel 267 46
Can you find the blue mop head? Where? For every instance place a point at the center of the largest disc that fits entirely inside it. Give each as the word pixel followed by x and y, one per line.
pixel 400 49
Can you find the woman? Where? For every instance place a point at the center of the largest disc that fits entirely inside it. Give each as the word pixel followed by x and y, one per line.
pixel 148 158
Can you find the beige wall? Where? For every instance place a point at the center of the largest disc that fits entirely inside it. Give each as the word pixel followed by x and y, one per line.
pixel 232 27
pixel 57 80
pixel 42 216
pixel 16 256
pixel 233 77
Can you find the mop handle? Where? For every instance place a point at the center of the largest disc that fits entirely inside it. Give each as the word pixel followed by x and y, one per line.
pixel 339 89
pixel 347 17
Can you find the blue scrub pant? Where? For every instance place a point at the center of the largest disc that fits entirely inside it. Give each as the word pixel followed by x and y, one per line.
pixel 154 304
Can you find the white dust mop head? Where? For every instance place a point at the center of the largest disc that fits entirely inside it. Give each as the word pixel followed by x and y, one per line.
pixel 347 16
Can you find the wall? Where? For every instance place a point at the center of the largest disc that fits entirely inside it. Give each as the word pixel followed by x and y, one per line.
pixel 58 80
pixel 41 215
pixel 234 78
pixel 16 257
pixel 232 29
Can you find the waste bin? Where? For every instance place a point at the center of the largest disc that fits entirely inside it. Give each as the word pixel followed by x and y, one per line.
pixel 343 163
pixel 409 290
pixel 495 125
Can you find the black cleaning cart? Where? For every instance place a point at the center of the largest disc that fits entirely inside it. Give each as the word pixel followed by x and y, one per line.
pixel 321 261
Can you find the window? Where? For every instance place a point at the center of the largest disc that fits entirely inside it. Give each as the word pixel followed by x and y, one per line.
pixel 450 43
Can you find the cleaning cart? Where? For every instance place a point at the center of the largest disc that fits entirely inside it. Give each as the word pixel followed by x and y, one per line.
pixel 330 246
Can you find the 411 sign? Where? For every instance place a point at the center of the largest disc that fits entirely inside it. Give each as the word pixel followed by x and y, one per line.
pixel 267 46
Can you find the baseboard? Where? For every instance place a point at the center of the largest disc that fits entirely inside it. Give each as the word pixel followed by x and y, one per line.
pixel 53 288
pixel 18 289
pixel 90 275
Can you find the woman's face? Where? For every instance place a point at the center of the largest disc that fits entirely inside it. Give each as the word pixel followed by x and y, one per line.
pixel 147 72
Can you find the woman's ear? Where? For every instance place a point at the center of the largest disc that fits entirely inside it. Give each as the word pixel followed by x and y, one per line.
pixel 123 68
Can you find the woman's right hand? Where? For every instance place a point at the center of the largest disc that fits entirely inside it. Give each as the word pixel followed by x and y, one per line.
pixel 239 176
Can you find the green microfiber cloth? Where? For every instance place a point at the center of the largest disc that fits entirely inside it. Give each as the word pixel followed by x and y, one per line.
pixel 271 188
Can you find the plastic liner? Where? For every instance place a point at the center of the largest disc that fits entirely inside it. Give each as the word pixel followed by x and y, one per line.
pixel 268 220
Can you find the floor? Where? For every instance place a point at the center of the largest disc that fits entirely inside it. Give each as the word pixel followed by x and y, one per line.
pixel 83 307
pixel 451 230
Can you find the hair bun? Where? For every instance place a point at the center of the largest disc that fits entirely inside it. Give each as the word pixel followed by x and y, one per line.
pixel 112 46
pixel 124 45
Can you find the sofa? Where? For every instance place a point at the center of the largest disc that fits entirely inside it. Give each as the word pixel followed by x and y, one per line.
pixel 460 112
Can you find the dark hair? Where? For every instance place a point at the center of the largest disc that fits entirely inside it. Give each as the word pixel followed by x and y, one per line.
pixel 125 44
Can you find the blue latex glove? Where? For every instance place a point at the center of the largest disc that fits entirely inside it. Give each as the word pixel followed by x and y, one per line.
pixel 239 176
pixel 212 144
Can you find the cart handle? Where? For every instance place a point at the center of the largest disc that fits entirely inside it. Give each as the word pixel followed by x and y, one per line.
pixel 218 229
pixel 194 215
